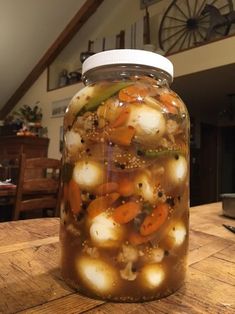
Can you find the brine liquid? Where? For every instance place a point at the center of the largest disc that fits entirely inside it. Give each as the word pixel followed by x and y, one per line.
pixel 124 213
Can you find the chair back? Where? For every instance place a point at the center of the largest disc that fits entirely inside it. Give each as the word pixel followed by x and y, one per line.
pixel 38 186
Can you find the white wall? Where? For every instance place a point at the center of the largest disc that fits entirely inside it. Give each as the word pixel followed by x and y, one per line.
pixel 208 56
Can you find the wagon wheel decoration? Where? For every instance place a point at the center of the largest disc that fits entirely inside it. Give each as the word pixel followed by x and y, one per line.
pixel 183 26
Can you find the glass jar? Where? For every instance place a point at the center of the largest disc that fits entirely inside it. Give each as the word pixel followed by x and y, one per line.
pixel 125 206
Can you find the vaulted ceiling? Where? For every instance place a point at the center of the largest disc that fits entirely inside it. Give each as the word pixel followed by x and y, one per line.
pixel 32 32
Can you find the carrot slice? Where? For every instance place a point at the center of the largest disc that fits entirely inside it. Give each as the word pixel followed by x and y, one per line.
pixel 133 93
pixel 100 204
pixel 107 188
pixel 154 220
pixel 74 196
pixel 126 212
pixel 126 187
pixel 122 135
pixel 122 118
pixel 135 238
pixel 170 102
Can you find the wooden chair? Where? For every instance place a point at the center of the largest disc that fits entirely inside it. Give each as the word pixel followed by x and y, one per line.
pixel 38 185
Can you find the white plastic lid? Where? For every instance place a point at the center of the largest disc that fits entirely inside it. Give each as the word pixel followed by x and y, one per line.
pixel 128 56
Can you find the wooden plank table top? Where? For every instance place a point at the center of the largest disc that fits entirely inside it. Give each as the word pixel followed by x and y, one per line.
pixel 30 280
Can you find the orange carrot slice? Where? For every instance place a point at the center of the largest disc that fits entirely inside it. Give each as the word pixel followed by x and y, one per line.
pixel 126 187
pixel 122 118
pixel 100 204
pixel 74 196
pixel 122 135
pixel 154 220
pixel 135 238
pixel 170 102
pixel 126 212
pixel 133 93
pixel 107 188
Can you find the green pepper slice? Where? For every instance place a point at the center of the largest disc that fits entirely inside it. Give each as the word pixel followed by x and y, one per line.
pixel 102 95
pixel 161 153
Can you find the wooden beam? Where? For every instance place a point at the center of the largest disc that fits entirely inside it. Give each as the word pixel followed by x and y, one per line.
pixel 83 14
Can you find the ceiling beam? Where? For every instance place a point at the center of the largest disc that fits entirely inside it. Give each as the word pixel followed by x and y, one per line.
pixel 83 14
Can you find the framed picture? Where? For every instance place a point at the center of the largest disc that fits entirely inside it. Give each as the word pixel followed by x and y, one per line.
pixel 58 107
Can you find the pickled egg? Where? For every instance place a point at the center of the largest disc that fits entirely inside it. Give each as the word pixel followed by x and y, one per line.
pixel 149 123
pixel 81 97
pixel 176 169
pixel 144 187
pixel 175 174
pixel 97 275
pixel 73 141
pixel 105 232
pixel 151 276
pixel 77 102
pixel 177 234
pixel 88 174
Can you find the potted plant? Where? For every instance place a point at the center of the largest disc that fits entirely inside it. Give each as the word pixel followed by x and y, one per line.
pixel 30 115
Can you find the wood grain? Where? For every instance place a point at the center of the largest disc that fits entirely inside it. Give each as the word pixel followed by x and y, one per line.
pixel 30 279
pixel 209 219
pixel 28 244
pixel 28 230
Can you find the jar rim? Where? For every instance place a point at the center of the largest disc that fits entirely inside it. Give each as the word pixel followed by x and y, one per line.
pixel 128 56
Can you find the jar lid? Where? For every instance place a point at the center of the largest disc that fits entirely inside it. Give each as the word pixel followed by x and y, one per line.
pixel 128 56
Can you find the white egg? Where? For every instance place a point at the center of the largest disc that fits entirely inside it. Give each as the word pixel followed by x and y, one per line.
pixel 149 123
pixel 81 98
pixel 176 170
pixel 73 141
pixel 97 275
pixel 77 103
pixel 177 234
pixel 151 276
pixel 105 232
pixel 88 174
pixel 144 187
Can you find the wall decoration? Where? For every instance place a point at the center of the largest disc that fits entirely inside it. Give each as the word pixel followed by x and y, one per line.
pixel 58 107
pixel 186 24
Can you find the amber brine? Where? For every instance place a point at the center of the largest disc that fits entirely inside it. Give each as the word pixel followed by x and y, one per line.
pixel 125 204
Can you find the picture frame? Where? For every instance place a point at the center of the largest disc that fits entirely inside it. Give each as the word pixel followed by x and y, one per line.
pixel 59 107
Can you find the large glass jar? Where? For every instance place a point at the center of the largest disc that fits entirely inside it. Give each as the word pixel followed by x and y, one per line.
pixel 124 217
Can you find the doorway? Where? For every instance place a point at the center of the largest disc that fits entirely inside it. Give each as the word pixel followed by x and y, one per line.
pixel 227 160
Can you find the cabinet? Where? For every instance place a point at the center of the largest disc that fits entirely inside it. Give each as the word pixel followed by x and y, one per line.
pixel 12 146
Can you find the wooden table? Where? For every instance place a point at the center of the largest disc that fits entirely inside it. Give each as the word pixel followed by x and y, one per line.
pixel 7 191
pixel 30 280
